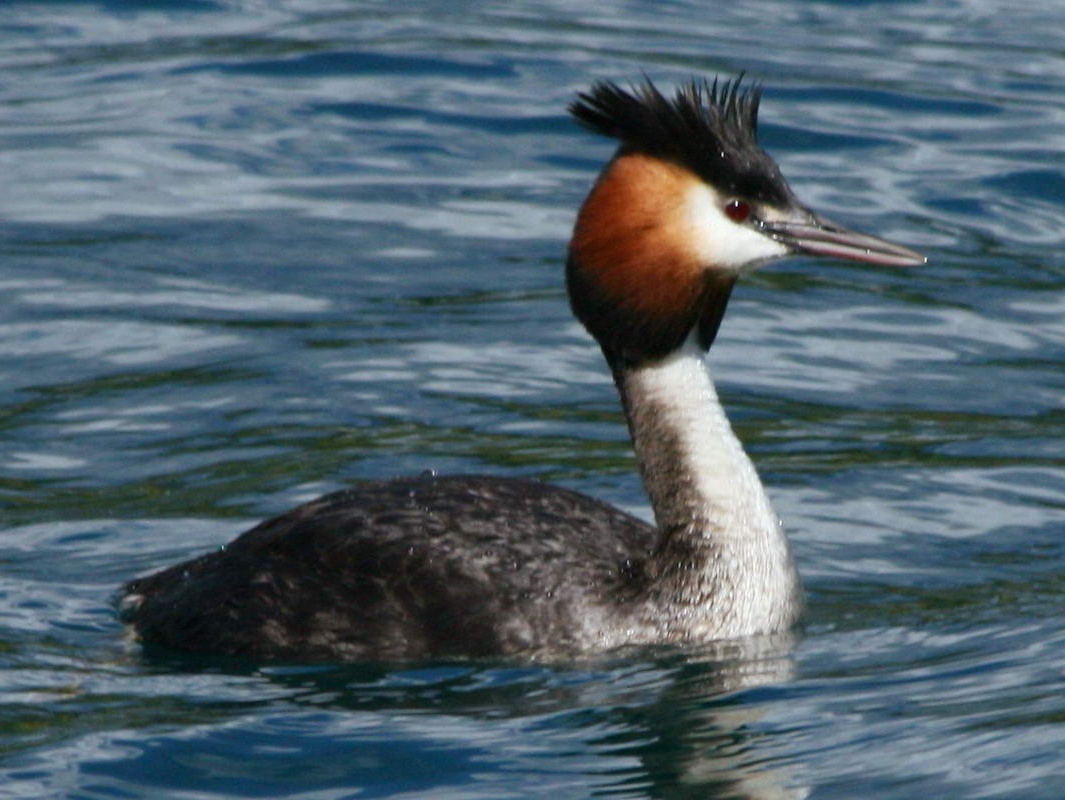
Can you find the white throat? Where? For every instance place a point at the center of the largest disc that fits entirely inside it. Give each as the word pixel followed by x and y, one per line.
pixel 722 555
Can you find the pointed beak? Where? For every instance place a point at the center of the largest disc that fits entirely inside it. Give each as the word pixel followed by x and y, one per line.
pixel 818 237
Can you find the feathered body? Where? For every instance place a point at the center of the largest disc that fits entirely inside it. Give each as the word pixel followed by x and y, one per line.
pixel 407 568
pixel 470 566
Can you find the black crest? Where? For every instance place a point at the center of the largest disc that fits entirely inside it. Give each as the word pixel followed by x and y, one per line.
pixel 710 129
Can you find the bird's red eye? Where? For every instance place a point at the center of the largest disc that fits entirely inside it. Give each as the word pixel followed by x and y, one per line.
pixel 737 210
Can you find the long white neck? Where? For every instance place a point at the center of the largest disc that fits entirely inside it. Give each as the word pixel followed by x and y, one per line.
pixel 722 567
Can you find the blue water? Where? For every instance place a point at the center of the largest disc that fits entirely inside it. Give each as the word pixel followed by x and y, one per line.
pixel 251 252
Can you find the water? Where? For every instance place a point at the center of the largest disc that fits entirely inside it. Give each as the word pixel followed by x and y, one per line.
pixel 252 252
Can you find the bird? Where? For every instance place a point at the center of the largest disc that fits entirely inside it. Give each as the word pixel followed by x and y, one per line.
pixel 472 566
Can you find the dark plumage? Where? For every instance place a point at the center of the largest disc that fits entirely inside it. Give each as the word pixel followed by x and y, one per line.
pixel 402 569
pixel 708 128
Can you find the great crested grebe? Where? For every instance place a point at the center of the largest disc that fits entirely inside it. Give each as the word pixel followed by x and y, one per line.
pixel 471 566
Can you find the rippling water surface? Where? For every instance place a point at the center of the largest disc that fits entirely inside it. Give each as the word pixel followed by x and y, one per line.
pixel 250 252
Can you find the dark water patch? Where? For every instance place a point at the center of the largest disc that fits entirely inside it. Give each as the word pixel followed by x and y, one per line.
pixel 352 62
pixel 495 125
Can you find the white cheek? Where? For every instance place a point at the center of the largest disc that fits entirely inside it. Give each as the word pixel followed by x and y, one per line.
pixel 721 242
